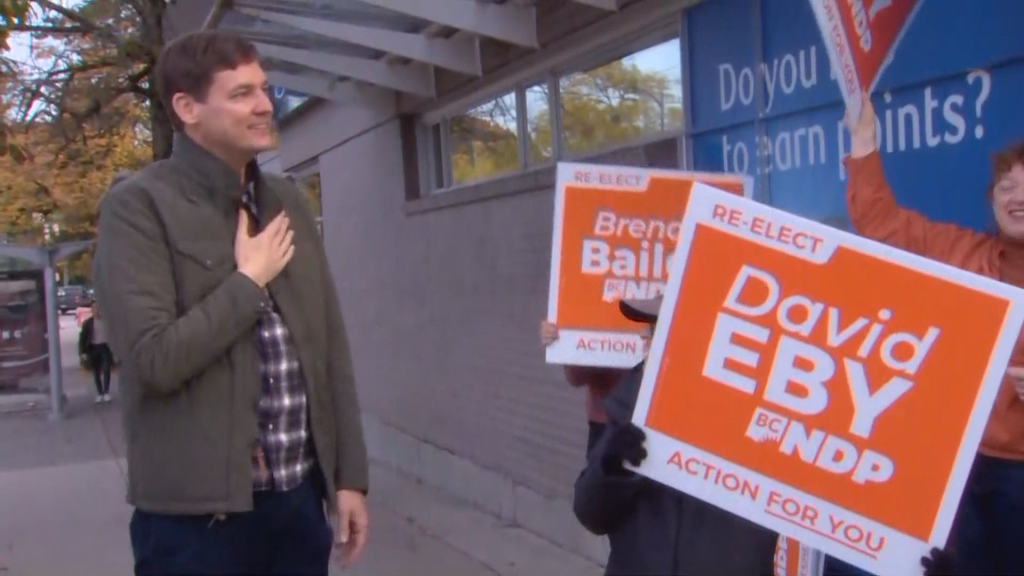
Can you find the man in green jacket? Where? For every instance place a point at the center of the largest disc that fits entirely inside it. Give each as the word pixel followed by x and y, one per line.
pixel 239 405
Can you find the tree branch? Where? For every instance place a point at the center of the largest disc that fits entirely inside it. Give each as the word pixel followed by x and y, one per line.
pixel 77 18
pixel 48 29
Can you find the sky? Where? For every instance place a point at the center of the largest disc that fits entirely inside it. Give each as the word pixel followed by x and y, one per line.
pixel 21 42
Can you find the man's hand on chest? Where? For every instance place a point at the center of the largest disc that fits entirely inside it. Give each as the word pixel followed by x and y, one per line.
pixel 263 255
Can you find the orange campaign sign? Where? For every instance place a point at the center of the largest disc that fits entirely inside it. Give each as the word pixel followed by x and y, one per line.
pixel 615 229
pixel 861 36
pixel 829 387
pixel 795 559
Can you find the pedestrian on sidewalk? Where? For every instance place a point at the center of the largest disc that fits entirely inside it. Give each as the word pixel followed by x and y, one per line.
pixel 598 382
pixel 95 353
pixel 240 407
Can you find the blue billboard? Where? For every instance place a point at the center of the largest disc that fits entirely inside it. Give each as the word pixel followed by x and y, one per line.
pixel 763 102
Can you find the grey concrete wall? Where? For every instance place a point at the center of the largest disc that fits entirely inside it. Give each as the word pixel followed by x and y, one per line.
pixel 270 162
pixel 442 311
pixel 329 124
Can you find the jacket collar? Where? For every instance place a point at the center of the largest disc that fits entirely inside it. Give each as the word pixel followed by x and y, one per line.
pixel 223 186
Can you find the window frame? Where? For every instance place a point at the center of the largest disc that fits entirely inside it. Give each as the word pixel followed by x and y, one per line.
pixel 643 39
pixel 446 143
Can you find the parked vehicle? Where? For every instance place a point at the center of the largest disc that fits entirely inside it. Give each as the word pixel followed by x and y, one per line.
pixel 70 298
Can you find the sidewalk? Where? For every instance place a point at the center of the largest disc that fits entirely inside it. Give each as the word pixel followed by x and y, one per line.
pixel 63 510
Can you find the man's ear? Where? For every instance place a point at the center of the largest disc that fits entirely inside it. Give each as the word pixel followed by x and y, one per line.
pixel 185 107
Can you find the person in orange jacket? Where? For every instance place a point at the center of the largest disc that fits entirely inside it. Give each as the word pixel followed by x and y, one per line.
pixel 989 528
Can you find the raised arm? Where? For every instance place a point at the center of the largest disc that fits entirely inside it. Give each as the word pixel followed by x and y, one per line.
pixel 875 213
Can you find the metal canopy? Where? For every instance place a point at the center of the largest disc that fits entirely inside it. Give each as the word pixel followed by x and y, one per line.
pixel 316 47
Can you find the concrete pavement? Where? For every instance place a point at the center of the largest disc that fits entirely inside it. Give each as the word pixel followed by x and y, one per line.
pixel 63 511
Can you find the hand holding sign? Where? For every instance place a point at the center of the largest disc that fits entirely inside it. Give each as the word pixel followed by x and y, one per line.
pixel 548 333
pixel 625 444
pixel 938 562
pixel 863 131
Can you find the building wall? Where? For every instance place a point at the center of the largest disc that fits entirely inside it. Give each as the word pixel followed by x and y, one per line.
pixel 270 162
pixel 329 124
pixel 442 311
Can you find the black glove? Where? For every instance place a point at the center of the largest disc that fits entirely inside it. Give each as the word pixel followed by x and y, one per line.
pixel 938 563
pixel 625 443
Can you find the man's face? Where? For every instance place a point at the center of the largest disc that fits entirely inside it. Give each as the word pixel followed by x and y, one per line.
pixel 236 116
pixel 1008 202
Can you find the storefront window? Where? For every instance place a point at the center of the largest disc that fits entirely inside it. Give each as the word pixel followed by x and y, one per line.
pixel 484 142
pixel 623 100
pixel 633 101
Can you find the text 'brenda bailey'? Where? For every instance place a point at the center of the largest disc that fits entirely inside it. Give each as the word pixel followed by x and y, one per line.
pixel 634 253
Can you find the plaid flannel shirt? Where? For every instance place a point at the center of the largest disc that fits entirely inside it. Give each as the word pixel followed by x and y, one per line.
pixel 283 456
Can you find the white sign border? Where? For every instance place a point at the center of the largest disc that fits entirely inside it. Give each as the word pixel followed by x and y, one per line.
pixel 562 351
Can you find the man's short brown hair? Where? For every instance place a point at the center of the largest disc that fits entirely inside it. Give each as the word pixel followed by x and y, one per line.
pixel 188 63
pixel 1004 161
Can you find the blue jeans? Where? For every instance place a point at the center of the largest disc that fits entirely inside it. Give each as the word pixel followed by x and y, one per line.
pixel 988 532
pixel 286 533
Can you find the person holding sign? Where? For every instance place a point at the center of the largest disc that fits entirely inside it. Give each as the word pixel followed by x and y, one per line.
pixel 598 381
pixel 989 528
pixel 654 529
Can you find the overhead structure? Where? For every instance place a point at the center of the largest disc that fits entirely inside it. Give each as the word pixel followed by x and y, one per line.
pixel 511 22
pixel 413 79
pixel 602 4
pixel 313 85
pixel 458 54
pixel 323 48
